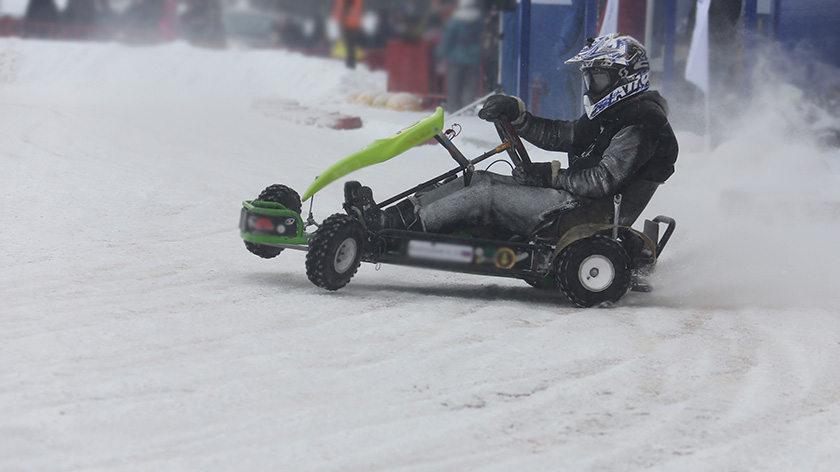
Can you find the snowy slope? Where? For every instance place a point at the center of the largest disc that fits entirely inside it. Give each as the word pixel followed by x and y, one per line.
pixel 137 333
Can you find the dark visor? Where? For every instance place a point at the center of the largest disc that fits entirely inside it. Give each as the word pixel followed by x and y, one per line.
pixel 597 79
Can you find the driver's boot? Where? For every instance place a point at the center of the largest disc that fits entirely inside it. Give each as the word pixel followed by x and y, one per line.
pixel 359 202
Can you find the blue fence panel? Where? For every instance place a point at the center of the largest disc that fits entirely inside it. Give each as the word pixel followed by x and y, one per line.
pixel 557 33
pixel 810 26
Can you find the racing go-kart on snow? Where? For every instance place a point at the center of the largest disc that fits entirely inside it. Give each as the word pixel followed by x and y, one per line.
pixel 591 263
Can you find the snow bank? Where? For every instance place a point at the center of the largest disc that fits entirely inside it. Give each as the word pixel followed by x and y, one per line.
pixel 176 72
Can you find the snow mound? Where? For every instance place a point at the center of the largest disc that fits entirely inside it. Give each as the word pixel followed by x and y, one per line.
pixel 178 72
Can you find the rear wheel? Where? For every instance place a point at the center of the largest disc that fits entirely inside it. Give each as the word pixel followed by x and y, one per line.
pixel 594 271
pixel 285 196
pixel 335 252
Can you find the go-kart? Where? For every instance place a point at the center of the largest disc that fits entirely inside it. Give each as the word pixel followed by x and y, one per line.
pixel 592 263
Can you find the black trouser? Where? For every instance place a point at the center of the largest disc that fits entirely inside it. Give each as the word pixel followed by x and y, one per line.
pixel 462 83
pixel 352 41
pixel 490 200
pixel 499 201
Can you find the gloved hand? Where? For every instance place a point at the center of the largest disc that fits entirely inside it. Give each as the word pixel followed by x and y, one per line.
pixel 537 174
pixel 502 106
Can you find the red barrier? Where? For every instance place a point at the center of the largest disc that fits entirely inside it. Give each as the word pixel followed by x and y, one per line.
pixel 410 67
pixel 10 27
pixel 375 59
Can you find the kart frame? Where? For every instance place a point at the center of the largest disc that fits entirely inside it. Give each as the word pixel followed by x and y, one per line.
pixel 538 260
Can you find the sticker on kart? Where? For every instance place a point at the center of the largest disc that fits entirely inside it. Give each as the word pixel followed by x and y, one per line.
pixel 503 257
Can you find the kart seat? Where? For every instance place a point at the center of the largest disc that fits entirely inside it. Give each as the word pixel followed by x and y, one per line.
pixel 600 211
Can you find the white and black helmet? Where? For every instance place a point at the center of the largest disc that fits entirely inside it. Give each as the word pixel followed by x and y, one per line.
pixel 614 67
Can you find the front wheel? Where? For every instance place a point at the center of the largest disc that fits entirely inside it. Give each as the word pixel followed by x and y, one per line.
pixel 285 196
pixel 594 271
pixel 335 252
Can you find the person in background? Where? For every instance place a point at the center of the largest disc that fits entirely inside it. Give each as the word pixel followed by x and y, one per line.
pixel 140 21
pixel 81 13
pixel 168 23
pixel 460 48
pixel 348 15
pixel 41 17
pixel 202 23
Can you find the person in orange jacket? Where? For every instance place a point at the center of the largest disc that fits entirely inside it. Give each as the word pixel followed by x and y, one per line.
pixel 348 15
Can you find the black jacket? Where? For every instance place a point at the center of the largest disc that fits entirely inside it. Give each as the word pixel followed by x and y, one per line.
pixel 632 141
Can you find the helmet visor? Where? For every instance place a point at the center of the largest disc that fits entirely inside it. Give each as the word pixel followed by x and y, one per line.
pixel 597 79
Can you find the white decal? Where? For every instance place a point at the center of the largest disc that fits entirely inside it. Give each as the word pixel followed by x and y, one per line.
pixel 440 251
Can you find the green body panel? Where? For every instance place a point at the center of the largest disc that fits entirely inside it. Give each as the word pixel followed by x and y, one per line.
pixel 274 209
pixel 380 151
pixel 267 239
pixel 269 208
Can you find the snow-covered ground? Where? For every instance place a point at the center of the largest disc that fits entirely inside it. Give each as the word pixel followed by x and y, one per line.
pixel 137 333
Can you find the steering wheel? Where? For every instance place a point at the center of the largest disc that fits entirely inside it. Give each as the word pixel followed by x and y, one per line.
pixel 507 133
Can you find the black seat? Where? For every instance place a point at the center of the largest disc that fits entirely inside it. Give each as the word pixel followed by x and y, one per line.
pixel 600 211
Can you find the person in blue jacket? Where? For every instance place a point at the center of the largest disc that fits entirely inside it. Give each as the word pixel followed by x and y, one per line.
pixel 460 48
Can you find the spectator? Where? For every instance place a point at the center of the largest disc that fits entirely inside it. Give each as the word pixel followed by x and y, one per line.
pixel 348 15
pixel 202 23
pixel 105 15
pixel 460 48
pixel 140 20
pixel 406 24
pixel 81 15
pixel 168 24
pixel 316 33
pixel 81 12
pixel 41 17
pixel 384 29
pixel 290 32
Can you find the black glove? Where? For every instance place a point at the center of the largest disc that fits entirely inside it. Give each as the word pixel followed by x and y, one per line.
pixel 502 106
pixel 538 174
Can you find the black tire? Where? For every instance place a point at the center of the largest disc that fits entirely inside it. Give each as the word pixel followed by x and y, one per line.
pixel 594 271
pixel 335 252
pixel 285 196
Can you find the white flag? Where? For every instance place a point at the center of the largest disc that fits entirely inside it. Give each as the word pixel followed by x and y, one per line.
pixel 697 66
pixel 610 23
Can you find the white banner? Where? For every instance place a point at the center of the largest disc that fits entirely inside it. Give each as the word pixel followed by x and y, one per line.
pixel 610 23
pixel 697 66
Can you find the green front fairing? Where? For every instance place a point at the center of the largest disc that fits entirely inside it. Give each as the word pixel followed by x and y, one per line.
pixel 274 209
pixel 380 151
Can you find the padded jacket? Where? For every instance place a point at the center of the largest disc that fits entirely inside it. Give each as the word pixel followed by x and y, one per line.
pixel 632 141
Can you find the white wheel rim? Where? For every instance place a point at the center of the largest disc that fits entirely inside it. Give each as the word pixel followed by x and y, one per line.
pixel 596 273
pixel 345 255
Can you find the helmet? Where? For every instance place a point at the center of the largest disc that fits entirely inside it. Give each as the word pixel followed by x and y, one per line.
pixel 614 67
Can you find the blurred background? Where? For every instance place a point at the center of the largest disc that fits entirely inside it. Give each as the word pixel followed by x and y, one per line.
pixel 454 52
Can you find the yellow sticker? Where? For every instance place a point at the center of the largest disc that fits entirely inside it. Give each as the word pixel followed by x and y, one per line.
pixel 505 258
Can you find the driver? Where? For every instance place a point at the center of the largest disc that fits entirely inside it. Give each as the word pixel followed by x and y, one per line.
pixel 622 144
